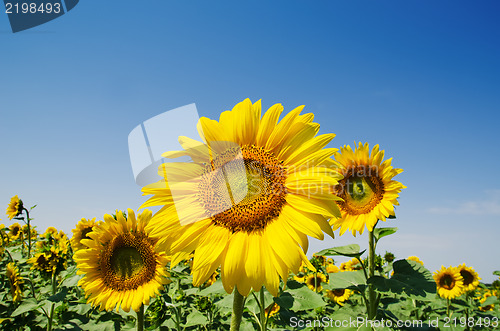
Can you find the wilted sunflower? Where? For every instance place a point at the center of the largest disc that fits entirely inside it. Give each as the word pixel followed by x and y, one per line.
pixel 83 228
pixel 15 231
pixel 122 266
pixel 470 276
pixel 15 282
pixel 255 190
pixel 15 207
pixel 339 295
pixel 314 280
pixel 368 192
pixel 449 282
pixel 415 258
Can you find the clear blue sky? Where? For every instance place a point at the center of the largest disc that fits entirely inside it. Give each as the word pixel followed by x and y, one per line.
pixel 420 78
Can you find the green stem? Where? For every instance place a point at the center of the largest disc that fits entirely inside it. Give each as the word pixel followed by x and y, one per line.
pixel 238 305
pixel 263 319
pixel 372 312
pixel 29 231
pixel 448 307
pixel 54 290
pixel 140 319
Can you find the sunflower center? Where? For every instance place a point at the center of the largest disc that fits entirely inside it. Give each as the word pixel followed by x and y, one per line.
pixel 361 189
pixel 243 189
pixel 447 282
pixel 85 232
pixel 338 292
pixel 128 261
pixel 467 276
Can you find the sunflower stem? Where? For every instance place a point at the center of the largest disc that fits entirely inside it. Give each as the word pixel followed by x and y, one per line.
pixel 448 307
pixel 238 305
pixel 262 310
pixel 29 231
pixel 140 319
pixel 372 312
pixel 54 290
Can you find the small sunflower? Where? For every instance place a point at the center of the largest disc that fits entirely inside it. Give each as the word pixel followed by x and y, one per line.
pixel 42 262
pixel 122 266
pixel 367 190
pixel 483 298
pixel 83 228
pixel 449 282
pixel 15 281
pixel 15 207
pixel 351 265
pixel 415 258
pixel 339 295
pixel 470 277
pixel 15 230
pixel 272 310
pixel 255 189
pixel 332 268
pixel 314 280
pixel 51 231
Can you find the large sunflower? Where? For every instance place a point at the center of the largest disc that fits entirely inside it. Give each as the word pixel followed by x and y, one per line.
pixel 254 191
pixel 15 207
pixel 122 266
pixel 470 276
pixel 367 190
pixel 449 282
pixel 83 228
pixel 15 282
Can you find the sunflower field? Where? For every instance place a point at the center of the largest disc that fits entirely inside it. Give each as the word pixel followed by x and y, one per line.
pixel 226 248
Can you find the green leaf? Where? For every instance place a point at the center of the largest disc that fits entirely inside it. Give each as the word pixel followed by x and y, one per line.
pixel 410 279
pixel 27 305
pixel 299 298
pixel 348 250
pixel 496 272
pixel 215 288
pixel 382 232
pixel 489 301
pixel 196 318
pixel 347 279
pixel 58 296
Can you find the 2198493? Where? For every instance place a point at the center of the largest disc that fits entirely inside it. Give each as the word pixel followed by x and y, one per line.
pixel 33 8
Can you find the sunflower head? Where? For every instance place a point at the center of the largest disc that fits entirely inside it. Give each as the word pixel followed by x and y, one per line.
pixel 339 295
pixel 15 231
pixel 15 207
pixel 470 277
pixel 15 281
pixel 449 282
pixel 123 266
pixel 389 257
pixel 331 268
pixel 272 310
pixel 367 191
pixel 351 265
pixel 314 280
pixel 83 228
pixel 255 189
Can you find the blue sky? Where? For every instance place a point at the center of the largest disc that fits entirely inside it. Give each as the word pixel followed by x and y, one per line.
pixel 419 78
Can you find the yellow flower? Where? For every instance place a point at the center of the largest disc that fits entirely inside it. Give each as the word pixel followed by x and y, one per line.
pixel 123 266
pixel 314 280
pixel 34 234
pixel 15 281
pixel 255 190
pixel 331 268
pixel 272 310
pixel 51 231
pixel 339 295
pixel 449 282
pixel 351 265
pixel 470 277
pixel 15 207
pixel 15 231
pixel 485 296
pixel 368 191
pixel 415 258
pixel 212 279
pixel 83 228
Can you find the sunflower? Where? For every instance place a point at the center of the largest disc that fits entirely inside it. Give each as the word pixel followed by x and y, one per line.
pixel 15 231
pixel 255 189
pixel 15 281
pixel 449 282
pixel 339 295
pixel 332 268
pixel 122 266
pixel 34 234
pixel 51 231
pixel 367 190
pixel 415 258
pixel 314 280
pixel 81 232
pixel 470 276
pixel 351 265
pixel 483 298
pixel 15 207
pixel 272 310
